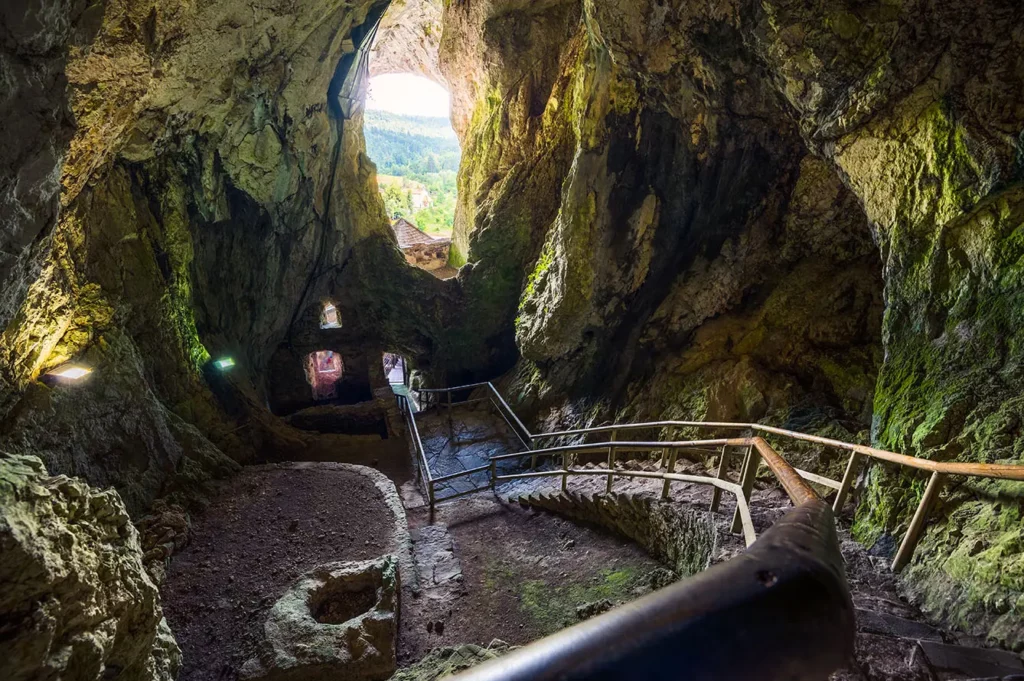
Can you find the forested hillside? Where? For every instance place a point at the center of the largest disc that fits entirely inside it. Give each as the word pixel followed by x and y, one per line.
pixel 421 149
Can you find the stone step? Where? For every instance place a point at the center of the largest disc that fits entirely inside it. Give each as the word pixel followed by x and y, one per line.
pixel 980 663
pixel 873 622
pixel 437 567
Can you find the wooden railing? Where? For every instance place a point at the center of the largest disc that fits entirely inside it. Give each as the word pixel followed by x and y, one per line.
pixel 757 450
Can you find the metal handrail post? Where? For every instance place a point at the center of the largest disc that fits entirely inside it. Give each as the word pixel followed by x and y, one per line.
pixel 671 469
pixel 611 462
pixel 723 470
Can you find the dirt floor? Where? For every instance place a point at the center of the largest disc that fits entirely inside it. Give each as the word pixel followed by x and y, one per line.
pixel 524 574
pixel 265 528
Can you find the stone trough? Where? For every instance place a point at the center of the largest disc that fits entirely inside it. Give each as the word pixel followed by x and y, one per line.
pixel 338 621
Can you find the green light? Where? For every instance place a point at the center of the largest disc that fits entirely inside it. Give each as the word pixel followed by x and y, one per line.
pixel 224 363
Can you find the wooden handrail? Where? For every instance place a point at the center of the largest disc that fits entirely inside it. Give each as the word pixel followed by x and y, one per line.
pixel 794 484
pixel 796 487
pixel 985 470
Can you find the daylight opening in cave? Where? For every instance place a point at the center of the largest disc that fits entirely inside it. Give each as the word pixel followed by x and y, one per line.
pixel 330 317
pixel 394 368
pixel 324 370
pixel 409 136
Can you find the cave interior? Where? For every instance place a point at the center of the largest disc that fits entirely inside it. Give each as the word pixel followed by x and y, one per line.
pixel 229 444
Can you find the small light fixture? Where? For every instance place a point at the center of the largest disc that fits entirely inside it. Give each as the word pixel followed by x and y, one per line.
pixel 71 372
pixel 224 363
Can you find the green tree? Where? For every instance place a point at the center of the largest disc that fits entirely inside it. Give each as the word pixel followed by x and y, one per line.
pixel 395 202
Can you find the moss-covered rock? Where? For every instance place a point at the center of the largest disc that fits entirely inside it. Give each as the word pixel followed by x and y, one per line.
pixel 77 602
pixel 911 105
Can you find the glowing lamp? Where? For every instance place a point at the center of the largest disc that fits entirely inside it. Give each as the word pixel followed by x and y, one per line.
pixel 224 363
pixel 71 373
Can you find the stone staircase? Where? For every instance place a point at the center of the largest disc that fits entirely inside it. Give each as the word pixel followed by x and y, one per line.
pixel 681 536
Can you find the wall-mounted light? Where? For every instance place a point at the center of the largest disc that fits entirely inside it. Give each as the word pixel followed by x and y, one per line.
pixel 224 363
pixel 70 372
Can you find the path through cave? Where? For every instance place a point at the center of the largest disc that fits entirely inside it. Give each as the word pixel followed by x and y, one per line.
pixel 490 570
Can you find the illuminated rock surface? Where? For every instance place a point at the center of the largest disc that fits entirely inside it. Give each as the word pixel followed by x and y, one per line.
pixel 77 602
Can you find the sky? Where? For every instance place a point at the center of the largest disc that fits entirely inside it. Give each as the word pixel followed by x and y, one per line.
pixel 404 93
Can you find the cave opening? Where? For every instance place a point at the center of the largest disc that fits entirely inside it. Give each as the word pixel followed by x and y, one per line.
pixel 324 370
pixel 395 369
pixel 330 316
pixel 409 135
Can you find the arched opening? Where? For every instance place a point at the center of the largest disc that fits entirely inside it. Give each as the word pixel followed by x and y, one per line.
pixel 330 316
pixel 409 136
pixel 324 370
pixel 395 369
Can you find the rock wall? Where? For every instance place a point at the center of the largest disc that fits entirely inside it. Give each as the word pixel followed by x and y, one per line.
pixel 185 182
pixel 753 210
pixel 408 40
pixel 918 107
pixel 681 537
pixel 76 603
pixel 685 253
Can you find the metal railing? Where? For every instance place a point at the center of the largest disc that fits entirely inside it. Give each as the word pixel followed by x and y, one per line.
pixel 569 452
pixel 742 522
pixel 424 476
pixel 505 411
pixel 755 452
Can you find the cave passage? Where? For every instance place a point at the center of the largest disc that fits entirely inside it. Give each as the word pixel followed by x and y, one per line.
pixel 395 368
pixel 330 317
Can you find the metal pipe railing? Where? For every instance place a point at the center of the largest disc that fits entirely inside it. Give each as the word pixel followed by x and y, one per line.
pixel 697 625
pixel 405 404
pixel 983 470
pixel 749 535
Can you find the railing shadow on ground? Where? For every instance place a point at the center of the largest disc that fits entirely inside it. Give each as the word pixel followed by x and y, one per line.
pixel 779 610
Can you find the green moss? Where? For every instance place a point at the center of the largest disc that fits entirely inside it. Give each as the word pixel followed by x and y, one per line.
pixel 553 607
pixel 845 25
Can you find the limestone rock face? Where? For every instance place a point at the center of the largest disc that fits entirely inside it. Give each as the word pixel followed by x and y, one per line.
pixel 338 621
pixel 34 36
pixel 667 218
pixel 213 193
pixel 76 602
pixel 918 107
pixel 746 210
pixel 408 40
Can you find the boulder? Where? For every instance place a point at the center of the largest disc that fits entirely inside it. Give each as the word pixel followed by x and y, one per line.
pixel 76 603
pixel 338 621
